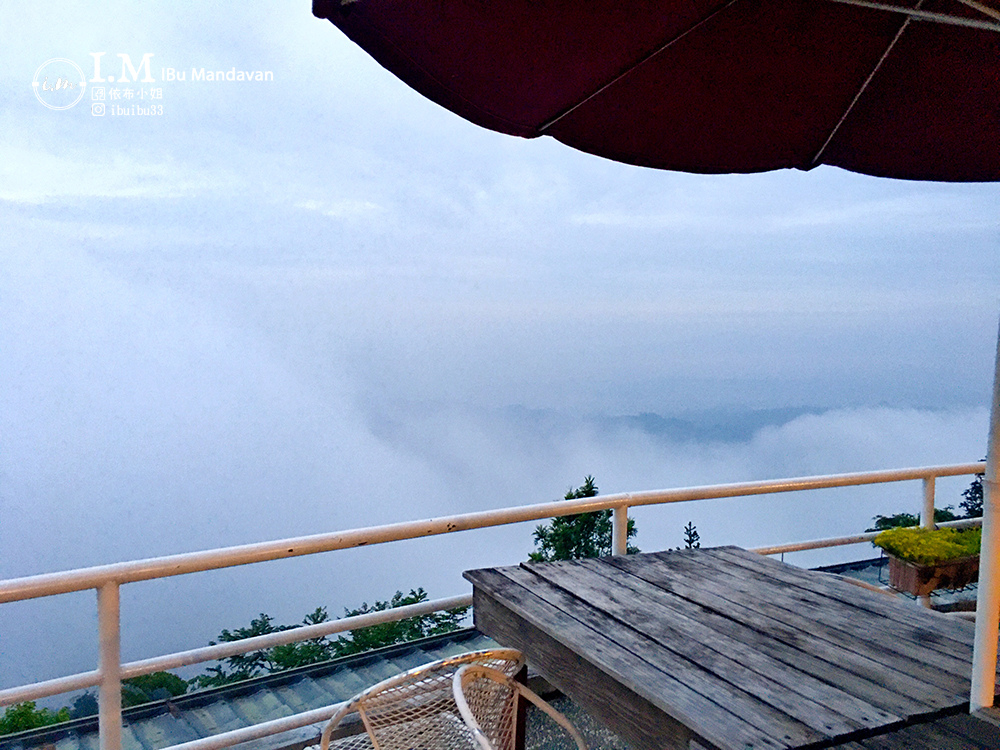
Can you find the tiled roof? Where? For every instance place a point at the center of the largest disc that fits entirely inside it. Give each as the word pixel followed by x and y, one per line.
pixel 875 572
pixel 189 717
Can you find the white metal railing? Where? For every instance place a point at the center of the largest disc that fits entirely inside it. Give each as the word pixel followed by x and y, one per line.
pixel 839 541
pixel 106 580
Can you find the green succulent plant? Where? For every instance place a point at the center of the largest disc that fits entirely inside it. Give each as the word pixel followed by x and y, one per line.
pixel 929 546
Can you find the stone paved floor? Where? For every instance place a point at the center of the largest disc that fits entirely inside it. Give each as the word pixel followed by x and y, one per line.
pixel 545 734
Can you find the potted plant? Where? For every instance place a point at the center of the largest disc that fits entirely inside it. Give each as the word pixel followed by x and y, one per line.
pixel 922 560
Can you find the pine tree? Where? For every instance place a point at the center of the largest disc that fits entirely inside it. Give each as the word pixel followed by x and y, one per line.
pixel 580 535
pixel 692 539
pixel 973 503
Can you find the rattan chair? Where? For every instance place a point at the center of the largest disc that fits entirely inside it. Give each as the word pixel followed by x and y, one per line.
pixel 416 709
pixel 486 701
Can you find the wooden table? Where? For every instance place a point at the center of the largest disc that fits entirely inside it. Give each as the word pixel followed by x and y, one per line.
pixel 723 648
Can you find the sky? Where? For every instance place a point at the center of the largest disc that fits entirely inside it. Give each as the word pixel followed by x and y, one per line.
pixel 254 310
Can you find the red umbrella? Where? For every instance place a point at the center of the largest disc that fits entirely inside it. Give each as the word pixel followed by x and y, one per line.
pixel 896 89
pixel 709 86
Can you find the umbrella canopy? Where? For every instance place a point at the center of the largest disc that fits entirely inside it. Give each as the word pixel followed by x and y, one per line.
pixel 901 88
pixel 710 86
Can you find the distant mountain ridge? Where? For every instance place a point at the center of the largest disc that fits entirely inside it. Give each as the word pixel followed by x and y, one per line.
pixel 714 425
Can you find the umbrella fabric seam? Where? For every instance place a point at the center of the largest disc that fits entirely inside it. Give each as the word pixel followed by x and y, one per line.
pixel 635 66
pixel 864 87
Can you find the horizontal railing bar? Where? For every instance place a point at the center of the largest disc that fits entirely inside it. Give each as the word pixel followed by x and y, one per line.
pixel 50 687
pixel 264 729
pixel 304 633
pixel 774 486
pixel 162 567
pixel 222 650
pixel 855 539
pixel 836 541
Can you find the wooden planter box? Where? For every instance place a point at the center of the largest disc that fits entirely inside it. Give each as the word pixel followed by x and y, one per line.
pixel 921 580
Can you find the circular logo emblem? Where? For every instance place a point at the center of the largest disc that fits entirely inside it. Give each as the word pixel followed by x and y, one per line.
pixel 59 83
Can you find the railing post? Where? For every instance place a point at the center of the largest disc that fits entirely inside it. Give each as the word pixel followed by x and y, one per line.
pixel 984 654
pixel 109 666
pixel 927 517
pixel 927 521
pixel 619 531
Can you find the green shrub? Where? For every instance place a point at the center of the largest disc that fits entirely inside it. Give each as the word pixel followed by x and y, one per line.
pixel 24 716
pixel 928 546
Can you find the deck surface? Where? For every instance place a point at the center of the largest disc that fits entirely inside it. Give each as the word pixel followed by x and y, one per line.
pixel 959 732
pixel 722 648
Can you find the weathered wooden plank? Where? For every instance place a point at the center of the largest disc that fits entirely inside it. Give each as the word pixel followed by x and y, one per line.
pixel 764 636
pixel 749 706
pixel 800 695
pixel 689 647
pixel 952 630
pixel 899 637
pixel 824 617
pixel 942 689
pixel 774 633
pixel 702 700
pixel 921 737
pixel 724 718
pixel 932 631
pixel 636 720
pixel 971 728
pixel 642 724
pixel 913 681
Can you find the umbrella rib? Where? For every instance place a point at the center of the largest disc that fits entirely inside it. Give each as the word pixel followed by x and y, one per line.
pixel 864 86
pixel 642 61
pixel 984 9
pixel 923 15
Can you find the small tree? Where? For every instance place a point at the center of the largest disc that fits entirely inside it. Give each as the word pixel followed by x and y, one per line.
pixel 400 631
pixel 84 705
pixel 150 687
pixel 242 666
pixel 894 521
pixel 899 520
pixel 302 653
pixel 692 540
pixel 973 503
pixel 24 716
pixel 580 535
